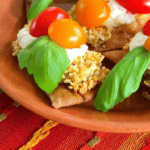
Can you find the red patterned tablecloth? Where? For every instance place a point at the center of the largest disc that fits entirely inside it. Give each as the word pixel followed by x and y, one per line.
pixel 24 130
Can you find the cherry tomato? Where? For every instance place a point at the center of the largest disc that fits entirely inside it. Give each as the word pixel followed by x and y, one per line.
pixel 67 33
pixel 92 13
pixel 40 24
pixel 136 6
pixel 146 28
pixel 147 44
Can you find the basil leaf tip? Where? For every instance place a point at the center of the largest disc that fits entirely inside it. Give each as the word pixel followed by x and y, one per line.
pixel 38 6
pixel 123 79
pixel 46 61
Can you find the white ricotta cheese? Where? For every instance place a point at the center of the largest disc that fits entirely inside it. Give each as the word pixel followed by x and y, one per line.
pixel 138 40
pixel 75 52
pixel 24 37
pixel 118 15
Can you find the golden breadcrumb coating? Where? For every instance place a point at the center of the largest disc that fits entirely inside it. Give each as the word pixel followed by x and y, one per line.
pixel 85 72
pixel 16 47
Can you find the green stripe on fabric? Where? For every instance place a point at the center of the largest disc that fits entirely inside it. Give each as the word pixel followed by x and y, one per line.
pixel 94 141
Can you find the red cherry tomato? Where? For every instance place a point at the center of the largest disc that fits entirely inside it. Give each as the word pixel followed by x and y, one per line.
pixel 136 6
pixel 39 25
pixel 146 28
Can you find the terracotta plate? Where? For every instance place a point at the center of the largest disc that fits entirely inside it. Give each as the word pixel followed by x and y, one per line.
pixel 133 115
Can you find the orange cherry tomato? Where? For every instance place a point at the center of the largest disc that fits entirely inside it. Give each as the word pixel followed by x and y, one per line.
pixel 92 13
pixel 147 44
pixel 67 33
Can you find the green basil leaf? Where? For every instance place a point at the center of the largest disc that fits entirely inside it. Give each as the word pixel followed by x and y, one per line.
pixel 25 54
pixel 46 61
pixel 123 79
pixel 37 6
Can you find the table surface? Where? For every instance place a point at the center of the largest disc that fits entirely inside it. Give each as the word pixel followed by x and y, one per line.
pixel 22 129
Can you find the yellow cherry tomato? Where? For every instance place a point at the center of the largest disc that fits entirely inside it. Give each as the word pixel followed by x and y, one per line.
pixel 67 33
pixel 92 13
pixel 147 44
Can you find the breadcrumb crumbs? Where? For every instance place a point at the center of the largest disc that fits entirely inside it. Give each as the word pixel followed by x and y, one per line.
pixel 16 47
pixel 85 72
pixel 126 47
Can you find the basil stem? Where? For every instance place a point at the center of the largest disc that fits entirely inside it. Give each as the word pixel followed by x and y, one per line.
pixel 123 79
pixel 37 6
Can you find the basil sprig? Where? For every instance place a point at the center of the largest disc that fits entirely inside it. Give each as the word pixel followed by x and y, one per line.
pixel 46 61
pixel 37 6
pixel 123 80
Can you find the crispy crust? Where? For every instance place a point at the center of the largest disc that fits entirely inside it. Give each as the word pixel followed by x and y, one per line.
pixel 115 55
pixel 62 96
pixel 122 35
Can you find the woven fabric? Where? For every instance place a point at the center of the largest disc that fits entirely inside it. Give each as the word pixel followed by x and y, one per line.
pixel 18 125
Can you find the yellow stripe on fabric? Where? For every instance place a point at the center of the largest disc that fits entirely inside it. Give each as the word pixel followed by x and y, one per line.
pixel 2 116
pixel 39 135
pixel 135 141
